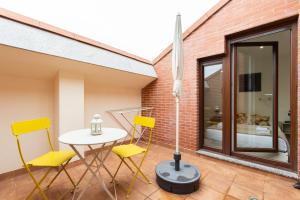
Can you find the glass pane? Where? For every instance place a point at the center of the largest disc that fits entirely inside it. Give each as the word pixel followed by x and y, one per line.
pixel 213 133
pixel 264 104
pixel 254 93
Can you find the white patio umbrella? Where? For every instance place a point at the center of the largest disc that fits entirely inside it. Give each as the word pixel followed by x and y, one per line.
pixel 177 72
pixel 183 178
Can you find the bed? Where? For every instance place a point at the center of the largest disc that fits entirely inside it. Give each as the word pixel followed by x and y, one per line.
pixel 250 136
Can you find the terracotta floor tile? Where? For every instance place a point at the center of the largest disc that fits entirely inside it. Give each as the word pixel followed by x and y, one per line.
pixel 140 185
pixel 190 198
pixel 228 197
pixel 7 189
pixel 206 192
pixel 219 180
pixel 134 195
pixel 251 172
pixel 280 195
pixel 226 171
pixel 163 195
pixel 203 173
pixel 279 181
pixel 244 193
pixel 250 182
pixel 280 189
pixel 145 188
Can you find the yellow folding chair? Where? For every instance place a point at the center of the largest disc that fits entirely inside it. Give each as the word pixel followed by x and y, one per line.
pixel 127 151
pixel 52 159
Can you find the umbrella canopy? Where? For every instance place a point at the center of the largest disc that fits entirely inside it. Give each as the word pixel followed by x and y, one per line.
pixel 177 71
pixel 177 58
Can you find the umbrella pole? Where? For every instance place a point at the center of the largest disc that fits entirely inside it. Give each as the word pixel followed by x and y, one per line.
pixel 184 178
pixel 177 155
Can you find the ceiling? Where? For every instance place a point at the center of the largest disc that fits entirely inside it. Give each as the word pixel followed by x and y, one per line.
pixel 28 64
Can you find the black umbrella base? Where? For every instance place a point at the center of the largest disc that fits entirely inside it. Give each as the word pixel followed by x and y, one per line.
pixel 184 181
pixel 297 185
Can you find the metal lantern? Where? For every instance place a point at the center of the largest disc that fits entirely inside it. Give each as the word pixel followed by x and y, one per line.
pixel 96 122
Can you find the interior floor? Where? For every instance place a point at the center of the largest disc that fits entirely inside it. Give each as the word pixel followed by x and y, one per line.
pixel 216 144
pixel 277 156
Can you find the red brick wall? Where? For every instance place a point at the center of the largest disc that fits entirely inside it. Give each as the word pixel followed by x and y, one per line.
pixel 207 40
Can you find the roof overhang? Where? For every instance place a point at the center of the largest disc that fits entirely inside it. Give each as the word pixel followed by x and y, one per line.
pixel 20 63
pixel 27 37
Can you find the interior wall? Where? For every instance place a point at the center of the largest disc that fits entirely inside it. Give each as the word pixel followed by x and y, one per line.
pixel 284 78
pixel 263 106
pixel 23 99
pixel 252 103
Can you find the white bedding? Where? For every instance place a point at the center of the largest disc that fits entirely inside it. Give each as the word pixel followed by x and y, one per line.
pixel 250 140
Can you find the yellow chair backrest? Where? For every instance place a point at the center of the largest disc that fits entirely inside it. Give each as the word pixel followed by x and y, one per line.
pixel 24 127
pixel 144 121
pixel 19 128
pixel 148 122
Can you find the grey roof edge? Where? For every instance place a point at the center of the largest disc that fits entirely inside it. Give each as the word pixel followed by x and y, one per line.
pixel 23 36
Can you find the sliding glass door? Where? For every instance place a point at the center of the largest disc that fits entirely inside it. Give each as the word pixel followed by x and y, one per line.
pixel 255 108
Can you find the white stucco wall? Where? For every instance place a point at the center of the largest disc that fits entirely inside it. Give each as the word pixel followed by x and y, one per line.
pixel 23 99
pixel 69 101
pixel 100 99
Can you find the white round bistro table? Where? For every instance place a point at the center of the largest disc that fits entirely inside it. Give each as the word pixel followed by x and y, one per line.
pixel 84 137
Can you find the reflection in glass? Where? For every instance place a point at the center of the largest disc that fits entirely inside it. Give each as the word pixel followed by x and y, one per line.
pixel 254 114
pixel 254 107
pixel 213 105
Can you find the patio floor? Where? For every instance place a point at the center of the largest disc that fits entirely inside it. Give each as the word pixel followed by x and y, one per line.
pixel 219 180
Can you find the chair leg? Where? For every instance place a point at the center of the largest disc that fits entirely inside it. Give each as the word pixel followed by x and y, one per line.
pixel 54 178
pixel 139 170
pixel 136 174
pixel 129 167
pixel 40 182
pixel 115 174
pixel 131 184
pixel 37 184
pixel 73 183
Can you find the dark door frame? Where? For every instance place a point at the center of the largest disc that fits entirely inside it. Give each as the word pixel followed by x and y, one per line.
pixel 202 63
pixel 292 26
pixel 285 24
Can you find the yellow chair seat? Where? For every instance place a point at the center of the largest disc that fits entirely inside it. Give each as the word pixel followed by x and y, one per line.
pixel 52 159
pixel 128 150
